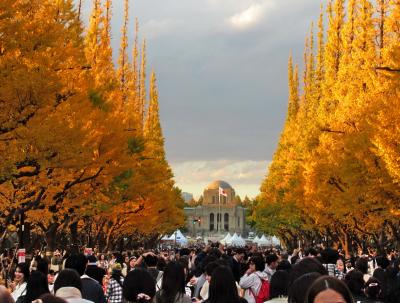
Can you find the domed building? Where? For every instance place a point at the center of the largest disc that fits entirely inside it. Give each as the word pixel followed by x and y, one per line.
pixel 219 212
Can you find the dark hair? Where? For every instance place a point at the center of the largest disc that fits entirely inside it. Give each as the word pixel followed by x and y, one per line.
pixel 37 285
pixel 326 282
pixel 91 259
pixel 138 281
pixel 77 262
pixel 259 263
pixel 279 284
pixel 49 298
pixel 270 258
pixel 329 256
pixel 42 266
pixel 373 288
pixel 68 278
pixel 305 266
pixel 298 289
pixel 362 265
pixel 222 287
pixel 311 252
pixel 24 269
pixel 173 283
pixel 211 267
pixel 284 265
pixel 382 261
pixel 355 282
pixel 161 264
pixel 151 260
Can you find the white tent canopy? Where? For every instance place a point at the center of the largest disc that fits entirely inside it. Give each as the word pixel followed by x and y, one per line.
pixel 178 237
pixel 226 239
pixel 275 241
pixel 165 238
pixel 263 241
pixel 237 241
pixel 256 239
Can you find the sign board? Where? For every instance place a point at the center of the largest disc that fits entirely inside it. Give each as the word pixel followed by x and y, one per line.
pixel 21 255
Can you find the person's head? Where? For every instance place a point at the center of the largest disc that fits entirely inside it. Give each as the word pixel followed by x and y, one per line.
pixel 239 254
pixel 382 261
pixel 298 289
pixel 173 281
pixel 42 265
pixel 311 252
pixel 355 281
pixel 362 265
pixel 328 289
pixel 329 256
pixel 116 272
pixel 5 296
pixel 284 265
pixel 77 262
pixel 279 284
pixel 151 260
pixel 340 265
pixel 222 286
pixel 37 285
pixel 21 273
pixel 257 263
pixel 132 261
pixel 91 260
pixel 373 288
pixel 210 269
pixel 305 266
pixel 272 261
pixel 68 278
pixel 49 298
pixel 138 281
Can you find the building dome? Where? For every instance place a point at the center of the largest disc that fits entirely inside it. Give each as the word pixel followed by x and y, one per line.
pixel 217 184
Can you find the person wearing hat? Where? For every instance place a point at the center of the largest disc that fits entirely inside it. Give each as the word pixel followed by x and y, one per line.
pixel 114 288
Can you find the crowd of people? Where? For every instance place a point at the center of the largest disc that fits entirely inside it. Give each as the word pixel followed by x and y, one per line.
pixel 210 274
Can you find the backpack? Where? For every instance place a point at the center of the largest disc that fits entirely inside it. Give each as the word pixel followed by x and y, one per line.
pixel 263 293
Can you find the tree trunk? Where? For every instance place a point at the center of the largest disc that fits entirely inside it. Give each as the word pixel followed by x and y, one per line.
pixel 51 237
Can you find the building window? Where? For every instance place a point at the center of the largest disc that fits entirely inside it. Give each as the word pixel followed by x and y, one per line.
pixel 239 221
pixel 211 222
pixel 213 199
pixel 226 221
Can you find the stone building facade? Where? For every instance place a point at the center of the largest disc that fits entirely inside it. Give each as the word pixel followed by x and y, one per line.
pixel 217 214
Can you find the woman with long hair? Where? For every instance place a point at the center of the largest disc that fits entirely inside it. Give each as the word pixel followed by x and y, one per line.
pixel 37 286
pixel 223 287
pixel 173 285
pixel 139 286
pixel 18 286
pixel 328 289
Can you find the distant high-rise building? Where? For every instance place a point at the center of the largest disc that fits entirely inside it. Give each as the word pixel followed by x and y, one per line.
pixel 187 197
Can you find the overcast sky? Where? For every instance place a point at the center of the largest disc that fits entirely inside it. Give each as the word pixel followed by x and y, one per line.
pixel 222 76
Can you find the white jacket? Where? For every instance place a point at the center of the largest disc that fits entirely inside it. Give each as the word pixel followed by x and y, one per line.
pixel 252 284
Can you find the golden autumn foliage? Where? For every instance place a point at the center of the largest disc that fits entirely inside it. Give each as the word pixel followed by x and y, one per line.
pixel 75 156
pixel 335 173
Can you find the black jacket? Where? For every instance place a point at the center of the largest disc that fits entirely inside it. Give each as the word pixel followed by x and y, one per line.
pixel 92 290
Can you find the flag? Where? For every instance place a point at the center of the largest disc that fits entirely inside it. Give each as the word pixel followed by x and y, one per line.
pixel 222 192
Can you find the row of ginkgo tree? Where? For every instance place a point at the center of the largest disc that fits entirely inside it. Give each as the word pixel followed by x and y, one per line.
pixel 81 145
pixel 335 173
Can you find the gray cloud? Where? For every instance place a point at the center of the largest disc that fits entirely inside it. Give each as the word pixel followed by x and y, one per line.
pixel 223 87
